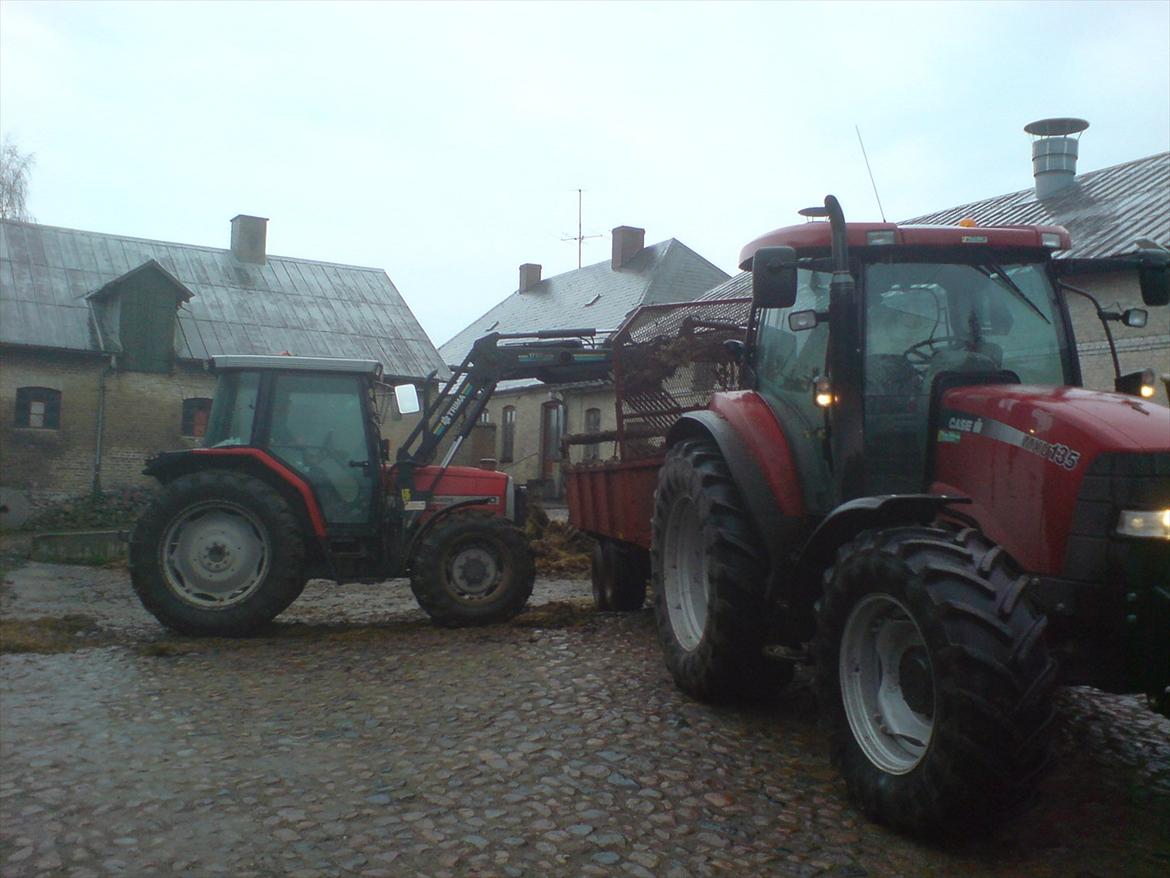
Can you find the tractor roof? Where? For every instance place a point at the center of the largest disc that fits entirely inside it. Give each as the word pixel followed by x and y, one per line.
pixel 235 362
pixel 815 238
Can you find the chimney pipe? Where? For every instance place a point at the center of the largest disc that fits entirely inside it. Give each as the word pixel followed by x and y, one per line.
pixel 1054 153
pixel 249 238
pixel 529 276
pixel 627 243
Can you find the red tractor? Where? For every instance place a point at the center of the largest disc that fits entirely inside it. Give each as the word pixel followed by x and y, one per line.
pixel 294 482
pixel 904 486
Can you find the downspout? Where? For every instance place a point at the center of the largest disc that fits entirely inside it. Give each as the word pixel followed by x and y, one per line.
pixel 101 407
pixel 101 422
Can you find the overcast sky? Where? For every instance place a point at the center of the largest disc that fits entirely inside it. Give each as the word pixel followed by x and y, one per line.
pixel 445 142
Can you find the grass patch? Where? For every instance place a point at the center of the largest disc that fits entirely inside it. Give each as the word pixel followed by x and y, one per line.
pixel 49 635
pixel 559 549
pixel 276 632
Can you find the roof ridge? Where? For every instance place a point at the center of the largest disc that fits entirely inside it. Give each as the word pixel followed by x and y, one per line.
pixel 203 247
pixel 700 256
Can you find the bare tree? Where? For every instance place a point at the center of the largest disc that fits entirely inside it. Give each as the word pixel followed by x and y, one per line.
pixel 14 172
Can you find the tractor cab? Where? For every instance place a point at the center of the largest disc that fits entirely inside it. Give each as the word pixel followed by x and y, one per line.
pixel 315 416
pixel 927 309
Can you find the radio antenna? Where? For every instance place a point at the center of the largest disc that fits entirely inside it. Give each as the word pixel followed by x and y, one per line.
pixel 870 170
pixel 580 236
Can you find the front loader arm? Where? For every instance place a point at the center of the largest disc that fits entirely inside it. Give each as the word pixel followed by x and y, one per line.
pixel 553 356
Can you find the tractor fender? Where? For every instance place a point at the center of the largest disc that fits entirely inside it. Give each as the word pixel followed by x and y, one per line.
pixel 761 464
pixel 168 466
pixel 868 513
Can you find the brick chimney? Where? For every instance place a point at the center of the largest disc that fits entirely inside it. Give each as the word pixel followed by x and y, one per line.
pixel 627 243
pixel 1054 153
pixel 249 238
pixel 529 276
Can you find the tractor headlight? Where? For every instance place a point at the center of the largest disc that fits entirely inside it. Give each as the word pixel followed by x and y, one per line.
pixel 1151 523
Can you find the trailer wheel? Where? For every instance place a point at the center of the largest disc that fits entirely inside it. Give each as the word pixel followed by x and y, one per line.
pixel 935 679
pixel 473 570
pixel 708 572
pixel 217 553
pixel 619 577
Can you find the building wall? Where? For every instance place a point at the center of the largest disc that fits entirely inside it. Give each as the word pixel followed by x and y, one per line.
pixel 529 402
pixel 143 414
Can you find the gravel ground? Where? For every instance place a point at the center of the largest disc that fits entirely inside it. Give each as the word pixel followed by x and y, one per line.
pixel 356 739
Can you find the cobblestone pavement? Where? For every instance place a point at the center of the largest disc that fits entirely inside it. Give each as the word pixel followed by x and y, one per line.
pixel 357 740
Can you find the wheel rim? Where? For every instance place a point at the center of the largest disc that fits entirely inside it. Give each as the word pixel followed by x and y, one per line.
pixel 887 684
pixel 685 573
pixel 473 572
pixel 215 555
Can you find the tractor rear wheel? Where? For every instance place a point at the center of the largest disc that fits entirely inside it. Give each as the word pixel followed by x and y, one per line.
pixel 218 554
pixel 935 679
pixel 473 570
pixel 619 576
pixel 708 571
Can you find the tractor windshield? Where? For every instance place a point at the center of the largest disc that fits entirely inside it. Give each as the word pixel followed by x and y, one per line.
pixel 233 410
pixel 926 318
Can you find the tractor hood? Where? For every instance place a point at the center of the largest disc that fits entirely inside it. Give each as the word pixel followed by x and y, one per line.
pixel 1106 421
pixel 1021 453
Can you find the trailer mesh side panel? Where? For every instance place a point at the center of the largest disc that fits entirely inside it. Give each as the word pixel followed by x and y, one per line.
pixel 668 360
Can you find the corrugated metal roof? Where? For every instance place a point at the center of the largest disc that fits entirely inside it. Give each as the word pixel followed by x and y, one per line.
pixel 308 308
pixel 595 296
pixel 1105 211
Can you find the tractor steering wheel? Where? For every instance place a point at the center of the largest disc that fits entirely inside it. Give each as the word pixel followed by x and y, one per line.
pixel 919 355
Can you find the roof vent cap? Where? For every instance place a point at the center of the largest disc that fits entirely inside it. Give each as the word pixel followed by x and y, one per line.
pixel 1054 153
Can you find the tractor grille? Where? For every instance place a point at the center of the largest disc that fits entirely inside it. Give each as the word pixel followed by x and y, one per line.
pixel 1124 582
pixel 1122 480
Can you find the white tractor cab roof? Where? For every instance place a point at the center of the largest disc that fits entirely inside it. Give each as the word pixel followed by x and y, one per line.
pixel 228 362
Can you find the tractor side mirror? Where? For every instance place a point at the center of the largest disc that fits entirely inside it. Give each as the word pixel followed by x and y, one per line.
pixel 406 398
pixel 802 321
pixel 774 277
pixel 1154 276
pixel 1135 318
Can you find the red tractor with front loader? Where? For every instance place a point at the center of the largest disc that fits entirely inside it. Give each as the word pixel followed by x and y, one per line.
pixel 294 482
pixel 903 484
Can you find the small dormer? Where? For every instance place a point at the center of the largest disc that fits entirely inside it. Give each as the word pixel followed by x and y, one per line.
pixel 135 316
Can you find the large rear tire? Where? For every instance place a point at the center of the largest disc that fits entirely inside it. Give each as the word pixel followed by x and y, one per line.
pixel 217 553
pixel 934 678
pixel 708 572
pixel 619 573
pixel 473 570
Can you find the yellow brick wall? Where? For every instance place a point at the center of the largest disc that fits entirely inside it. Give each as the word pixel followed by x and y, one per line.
pixel 143 414
pixel 1147 348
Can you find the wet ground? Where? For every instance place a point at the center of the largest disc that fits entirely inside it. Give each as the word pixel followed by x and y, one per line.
pixel 356 739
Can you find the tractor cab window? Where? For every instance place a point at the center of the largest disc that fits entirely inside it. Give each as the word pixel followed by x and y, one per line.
pixel 319 430
pixel 926 318
pixel 233 411
pixel 787 362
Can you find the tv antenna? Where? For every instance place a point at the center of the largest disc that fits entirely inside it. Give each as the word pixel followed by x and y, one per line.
pixel 870 170
pixel 580 236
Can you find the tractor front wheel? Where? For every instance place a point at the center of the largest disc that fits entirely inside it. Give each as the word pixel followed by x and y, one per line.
pixel 708 571
pixel 218 554
pixel 935 679
pixel 473 570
